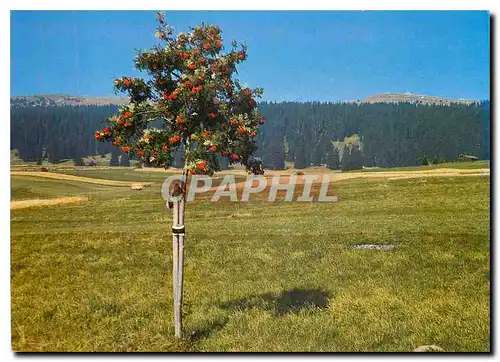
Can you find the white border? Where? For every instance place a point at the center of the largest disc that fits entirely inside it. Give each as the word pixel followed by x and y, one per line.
pixel 5 349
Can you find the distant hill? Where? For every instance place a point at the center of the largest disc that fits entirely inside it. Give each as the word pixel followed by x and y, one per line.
pixel 413 98
pixel 45 100
pixel 70 100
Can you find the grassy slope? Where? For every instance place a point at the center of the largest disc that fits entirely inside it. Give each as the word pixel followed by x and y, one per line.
pixel 125 174
pixel 29 187
pixel 459 165
pixel 258 276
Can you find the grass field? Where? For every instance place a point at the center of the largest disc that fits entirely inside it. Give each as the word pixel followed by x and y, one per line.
pixel 457 165
pixel 126 174
pixel 259 276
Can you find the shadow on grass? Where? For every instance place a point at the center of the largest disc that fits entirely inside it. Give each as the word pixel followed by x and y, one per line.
pixel 207 329
pixel 290 301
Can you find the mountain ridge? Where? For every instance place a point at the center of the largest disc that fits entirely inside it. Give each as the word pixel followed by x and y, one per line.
pixel 414 98
pixel 60 99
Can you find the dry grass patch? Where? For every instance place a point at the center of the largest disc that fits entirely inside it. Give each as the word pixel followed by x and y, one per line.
pixel 15 205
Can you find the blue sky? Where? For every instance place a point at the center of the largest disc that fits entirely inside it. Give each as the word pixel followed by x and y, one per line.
pixel 293 55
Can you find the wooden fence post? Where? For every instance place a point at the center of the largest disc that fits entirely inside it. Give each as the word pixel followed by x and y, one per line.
pixel 178 235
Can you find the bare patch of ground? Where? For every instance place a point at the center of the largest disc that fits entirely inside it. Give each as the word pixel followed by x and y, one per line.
pixel 373 247
pixel 428 348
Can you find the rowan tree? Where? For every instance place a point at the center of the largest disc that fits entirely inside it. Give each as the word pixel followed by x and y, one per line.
pixel 191 91
pixel 189 102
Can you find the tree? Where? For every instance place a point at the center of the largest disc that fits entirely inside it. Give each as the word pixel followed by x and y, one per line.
pixel 256 164
pixel 424 160
pixel 356 158
pixel 125 160
pixel 319 150
pixel 189 98
pixel 300 155
pixel 300 159
pixel 346 158
pixel 79 161
pixel 275 155
pixel 436 160
pixel 114 157
pixel 352 160
pixel 42 156
pixel 333 160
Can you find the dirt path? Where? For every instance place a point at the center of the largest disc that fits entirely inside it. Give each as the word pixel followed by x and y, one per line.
pixel 393 175
pixel 59 176
pixel 337 176
pixel 22 204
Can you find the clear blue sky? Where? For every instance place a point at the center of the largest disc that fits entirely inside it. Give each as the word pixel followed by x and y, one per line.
pixel 320 55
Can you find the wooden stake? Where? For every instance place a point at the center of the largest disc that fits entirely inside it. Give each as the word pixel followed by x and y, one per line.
pixel 180 270
pixel 178 235
pixel 175 254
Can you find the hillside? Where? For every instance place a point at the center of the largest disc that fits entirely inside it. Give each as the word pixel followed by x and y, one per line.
pixel 45 100
pixel 413 98
pixel 393 134
pixel 71 100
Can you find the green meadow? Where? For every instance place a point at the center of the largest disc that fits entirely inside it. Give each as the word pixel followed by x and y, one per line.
pixel 259 276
